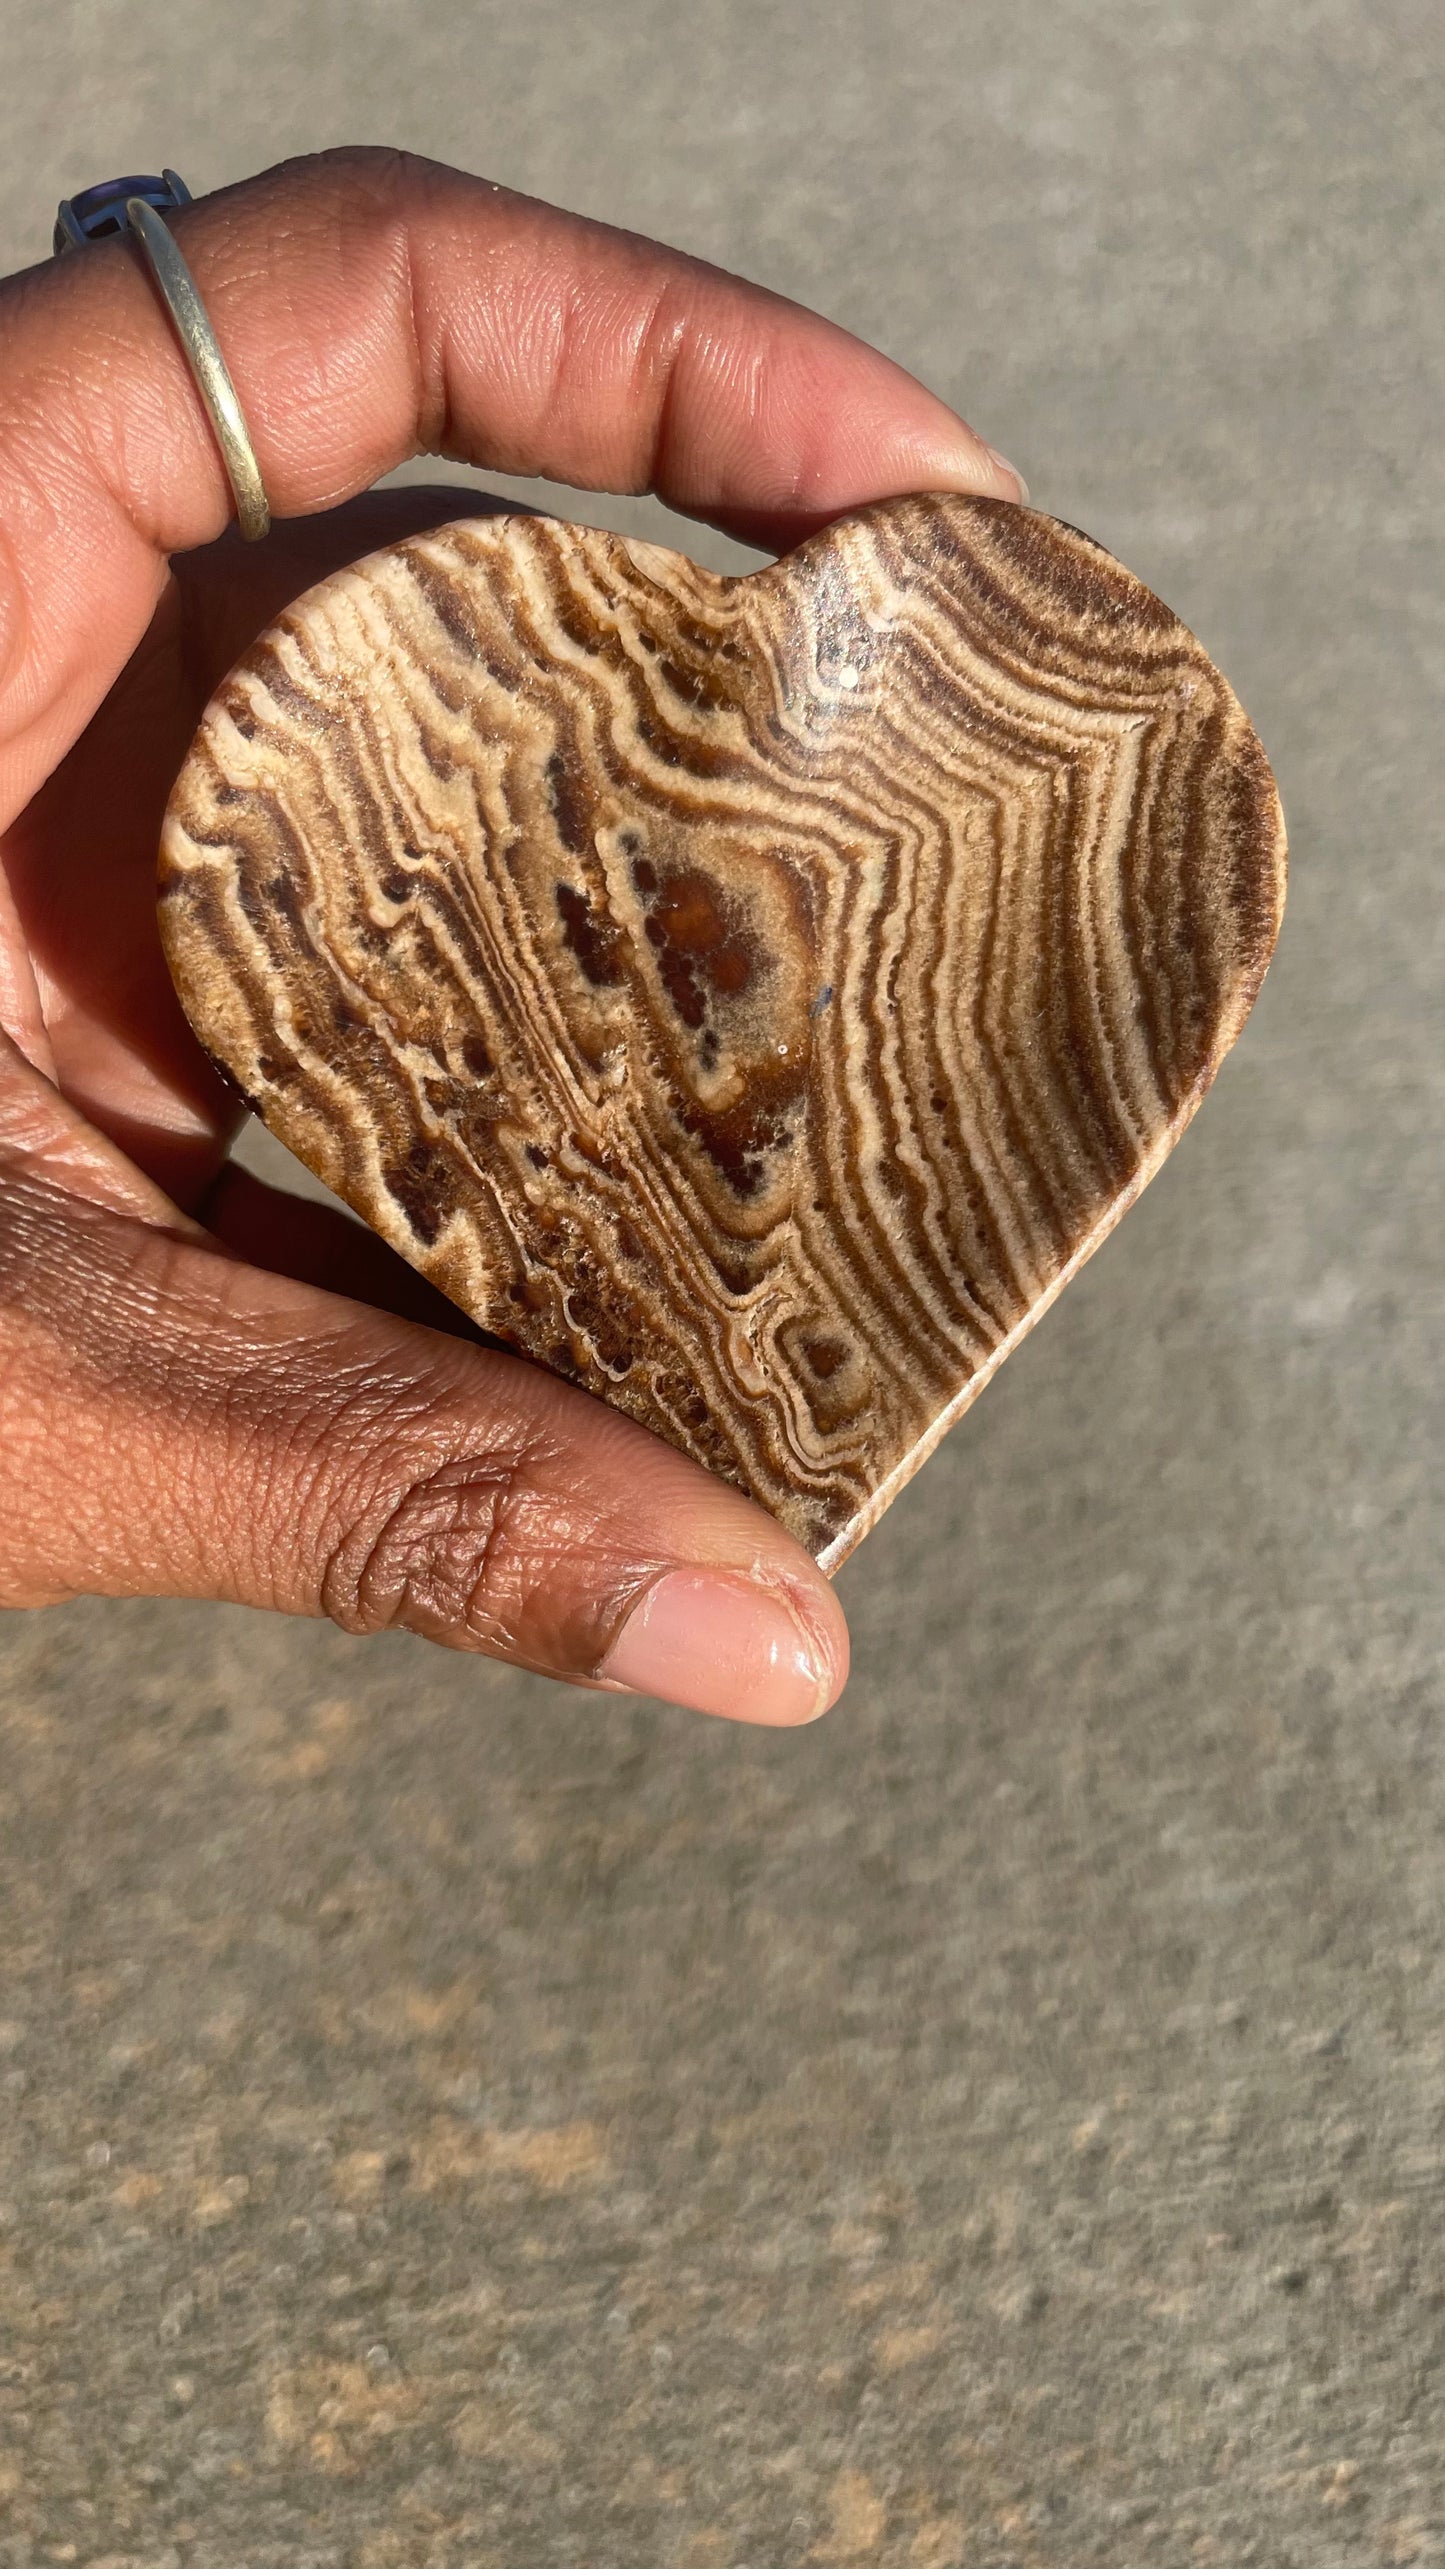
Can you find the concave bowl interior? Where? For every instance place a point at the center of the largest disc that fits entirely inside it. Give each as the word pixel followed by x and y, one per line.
pixel 750 998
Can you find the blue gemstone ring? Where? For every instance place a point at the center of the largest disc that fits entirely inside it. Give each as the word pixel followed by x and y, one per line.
pixel 137 207
pixel 98 213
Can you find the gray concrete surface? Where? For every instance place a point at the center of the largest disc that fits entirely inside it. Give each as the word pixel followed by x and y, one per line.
pixel 445 2123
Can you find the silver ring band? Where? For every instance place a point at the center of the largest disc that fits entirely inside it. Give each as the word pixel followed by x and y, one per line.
pixel 96 215
pixel 212 374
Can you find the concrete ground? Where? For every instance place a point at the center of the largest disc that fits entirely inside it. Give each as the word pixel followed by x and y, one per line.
pixel 447 2123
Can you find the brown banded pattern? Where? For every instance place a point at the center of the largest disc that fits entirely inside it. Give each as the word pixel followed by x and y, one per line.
pixel 752 998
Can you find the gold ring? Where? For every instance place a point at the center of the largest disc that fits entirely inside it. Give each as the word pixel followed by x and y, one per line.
pixel 203 355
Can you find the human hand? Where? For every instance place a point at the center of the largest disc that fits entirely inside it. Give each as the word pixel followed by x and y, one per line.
pixel 206 1388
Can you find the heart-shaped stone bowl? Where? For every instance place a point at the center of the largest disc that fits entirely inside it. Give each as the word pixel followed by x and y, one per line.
pixel 752 998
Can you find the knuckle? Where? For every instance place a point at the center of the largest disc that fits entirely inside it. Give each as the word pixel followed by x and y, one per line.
pixel 371 177
pixel 457 1553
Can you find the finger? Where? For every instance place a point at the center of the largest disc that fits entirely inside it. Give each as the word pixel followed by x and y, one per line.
pixel 372 306
pixel 41 1131
pixel 174 1422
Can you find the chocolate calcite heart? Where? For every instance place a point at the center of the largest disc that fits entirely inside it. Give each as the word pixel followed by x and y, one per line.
pixel 752 998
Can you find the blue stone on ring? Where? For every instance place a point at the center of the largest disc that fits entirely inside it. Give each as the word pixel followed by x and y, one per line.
pixel 98 213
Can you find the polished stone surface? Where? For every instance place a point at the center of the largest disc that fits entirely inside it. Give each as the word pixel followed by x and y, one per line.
pixel 447 2124
pixel 752 998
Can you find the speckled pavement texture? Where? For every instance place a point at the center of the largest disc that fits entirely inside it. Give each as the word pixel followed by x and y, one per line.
pixel 446 2123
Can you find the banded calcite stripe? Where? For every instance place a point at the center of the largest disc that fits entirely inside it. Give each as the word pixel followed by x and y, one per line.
pixel 752 998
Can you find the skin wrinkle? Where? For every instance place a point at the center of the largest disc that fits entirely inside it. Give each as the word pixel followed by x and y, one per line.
pixel 512 1471
pixel 15 624
pixel 431 384
pixel 404 1576
pixel 659 359
pixel 555 342
pixel 557 327
pixel 496 1513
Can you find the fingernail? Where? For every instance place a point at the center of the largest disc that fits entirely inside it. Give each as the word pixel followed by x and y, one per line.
pixel 721 1643
pixel 1005 466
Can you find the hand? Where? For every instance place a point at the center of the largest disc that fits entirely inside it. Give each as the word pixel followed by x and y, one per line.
pixel 188 1404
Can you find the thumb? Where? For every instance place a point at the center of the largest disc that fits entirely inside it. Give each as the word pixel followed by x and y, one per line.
pixel 174 1422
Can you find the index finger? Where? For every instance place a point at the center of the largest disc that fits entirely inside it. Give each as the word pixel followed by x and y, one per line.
pixel 371 307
